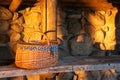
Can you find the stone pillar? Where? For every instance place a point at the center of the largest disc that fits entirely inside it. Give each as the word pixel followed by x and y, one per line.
pixel 51 19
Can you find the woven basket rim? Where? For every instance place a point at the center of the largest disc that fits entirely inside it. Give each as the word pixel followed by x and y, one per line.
pixel 38 43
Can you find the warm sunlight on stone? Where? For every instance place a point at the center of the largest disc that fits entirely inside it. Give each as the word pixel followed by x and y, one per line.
pixel 102 27
pixel 110 37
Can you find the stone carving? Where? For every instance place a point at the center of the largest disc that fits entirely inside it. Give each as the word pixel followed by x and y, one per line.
pixel 102 28
pixel 24 23
pixel 32 17
pixel 32 23
pixel 70 32
pixel 110 38
pixel 5 14
pixel 17 28
pixel 14 37
pixel 35 36
pixel 82 75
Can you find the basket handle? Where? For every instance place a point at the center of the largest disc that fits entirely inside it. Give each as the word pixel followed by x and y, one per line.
pixel 48 41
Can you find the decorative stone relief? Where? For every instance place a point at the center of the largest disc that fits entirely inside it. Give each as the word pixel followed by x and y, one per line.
pixel 102 27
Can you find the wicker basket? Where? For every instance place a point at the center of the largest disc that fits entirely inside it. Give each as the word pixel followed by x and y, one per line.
pixel 36 55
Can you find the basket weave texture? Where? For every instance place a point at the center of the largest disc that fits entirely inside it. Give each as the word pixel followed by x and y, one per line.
pixel 36 55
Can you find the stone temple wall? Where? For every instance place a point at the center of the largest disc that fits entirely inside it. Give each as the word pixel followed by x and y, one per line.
pixel 80 32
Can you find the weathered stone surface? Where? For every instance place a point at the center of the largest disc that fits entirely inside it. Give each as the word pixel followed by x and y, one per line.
pixel 94 75
pixel 103 26
pixel 5 14
pixel 64 49
pixel 118 35
pixel 17 28
pixel 72 11
pixel 61 27
pixel 65 76
pixel 95 18
pixel 61 15
pixel 110 38
pixel 10 32
pixel 35 36
pixel 98 53
pixel 74 26
pixel 32 17
pixel 82 75
pixel 15 16
pixel 13 46
pixel 96 34
pixel 19 21
pixel 31 77
pixel 117 19
pixel 4 38
pixel 4 26
pixel 77 45
pixel 83 47
pixel 61 32
pixel 108 75
pixel 75 16
pixel 14 37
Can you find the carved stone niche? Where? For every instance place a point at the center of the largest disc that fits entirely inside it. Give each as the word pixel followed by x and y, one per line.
pixel 102 27
pixel 101 16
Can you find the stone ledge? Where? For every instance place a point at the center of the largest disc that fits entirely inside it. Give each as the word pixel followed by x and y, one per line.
pixel 67 64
